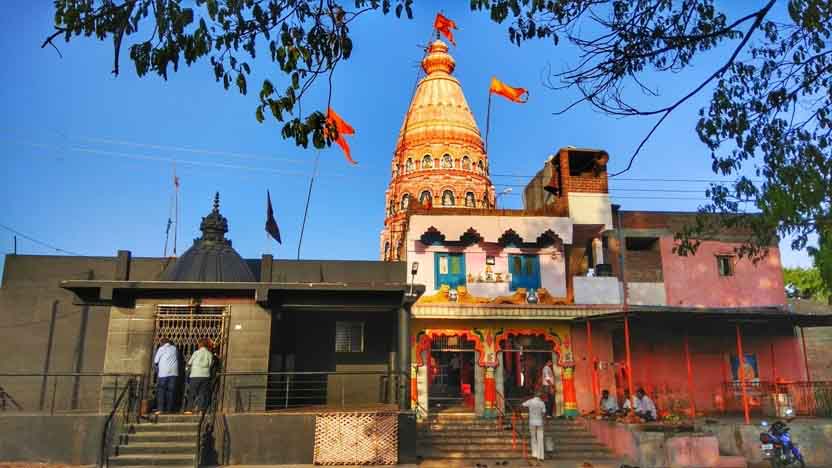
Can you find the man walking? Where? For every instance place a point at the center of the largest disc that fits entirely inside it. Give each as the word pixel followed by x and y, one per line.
pixel 536 409
pixel 200 374
pixel 166 362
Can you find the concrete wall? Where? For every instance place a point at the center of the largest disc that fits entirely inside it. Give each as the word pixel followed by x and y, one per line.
pixel 64 439
pixel 596 290
pixel 695 280
pixel 590 208
pixel 288 438
pixel 814 438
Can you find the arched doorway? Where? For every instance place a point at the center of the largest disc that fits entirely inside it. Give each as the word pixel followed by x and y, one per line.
pixel 522 357
pixel 451 368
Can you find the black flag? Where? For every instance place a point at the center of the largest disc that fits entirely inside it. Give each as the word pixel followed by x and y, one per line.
pixel 271 224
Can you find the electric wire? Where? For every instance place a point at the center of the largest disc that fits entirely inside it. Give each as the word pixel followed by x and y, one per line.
pixel 39 242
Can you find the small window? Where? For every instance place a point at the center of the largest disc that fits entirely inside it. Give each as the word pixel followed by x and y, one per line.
pixel 426 199
pixel 447 162
pixel 525 271
pixel 386 251
pixel 725 265
pixel 427 162
pixel 448 198
pixel 349 337
pixel 408 166
pixel 405 201
pixel 480 167
pixel 469 200
pixel 391 210
pixel 466 163
pixel 450 270
pixel 642 243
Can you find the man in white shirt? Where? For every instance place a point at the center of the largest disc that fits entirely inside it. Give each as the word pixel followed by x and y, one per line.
pixel 644 408
pixel 536 409
pixel 608 404
pixel 627 407
pixel 166 362
pixel 549 387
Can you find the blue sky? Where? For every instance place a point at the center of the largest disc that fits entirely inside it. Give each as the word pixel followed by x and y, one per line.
pixel 87 158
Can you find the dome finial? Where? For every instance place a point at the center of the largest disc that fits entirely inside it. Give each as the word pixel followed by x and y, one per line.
pixel 438 59
pixel 217 202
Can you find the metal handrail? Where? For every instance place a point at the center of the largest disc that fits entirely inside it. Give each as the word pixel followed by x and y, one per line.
pixel 206 425
pixel 104 454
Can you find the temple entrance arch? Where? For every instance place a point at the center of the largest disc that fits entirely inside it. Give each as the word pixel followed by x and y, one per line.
pixel 448 371
pixel 522 354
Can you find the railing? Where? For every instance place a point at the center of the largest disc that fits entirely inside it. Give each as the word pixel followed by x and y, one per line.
pixel 207 422
pixel 504 408
pixel 772 398
pixel 245 392
pixel 124 412
pixel 62 392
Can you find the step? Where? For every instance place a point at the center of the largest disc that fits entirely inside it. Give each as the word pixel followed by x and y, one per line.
pixel 166 427
pixel 444 439
pixel 168 418
pixel 153 460
pixel 141 437
pixel 513 455
pixel 138 448
pixel 496 442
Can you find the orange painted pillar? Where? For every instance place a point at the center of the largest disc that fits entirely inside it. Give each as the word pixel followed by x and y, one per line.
pixel 629 359
pixel 414 387
pixel 691 394
pixel 805 356
pixel 593 368
pixel 490 387
pixel 741 373
pixel 570 400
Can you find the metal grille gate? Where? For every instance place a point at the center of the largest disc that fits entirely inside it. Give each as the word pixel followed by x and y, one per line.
pixel 185 326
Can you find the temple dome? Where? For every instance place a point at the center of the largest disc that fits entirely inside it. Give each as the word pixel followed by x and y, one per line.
pixel 439 111
pixel 211 258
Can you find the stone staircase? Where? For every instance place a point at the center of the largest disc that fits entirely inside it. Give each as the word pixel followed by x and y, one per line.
pixel 168 442
pixel 464 436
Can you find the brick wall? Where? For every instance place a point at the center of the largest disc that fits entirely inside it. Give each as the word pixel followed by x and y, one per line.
pixel 643 266
pixel 818 340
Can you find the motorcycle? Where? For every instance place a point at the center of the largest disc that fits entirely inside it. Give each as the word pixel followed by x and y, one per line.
pixel 778 448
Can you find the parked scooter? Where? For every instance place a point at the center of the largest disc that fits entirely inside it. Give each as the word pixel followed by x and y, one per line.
pixel 777 445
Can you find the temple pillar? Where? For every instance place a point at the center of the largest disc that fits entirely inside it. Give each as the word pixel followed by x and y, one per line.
pixel 479 394
pixel 570 403
pixel 490 400
pixel 597 252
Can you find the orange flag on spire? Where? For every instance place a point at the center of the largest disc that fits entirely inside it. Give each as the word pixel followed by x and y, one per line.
pixel 506 91
pixel 444 25
pixel 343 129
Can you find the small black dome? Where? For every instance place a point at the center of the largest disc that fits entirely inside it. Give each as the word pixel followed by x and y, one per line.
pixel 211 258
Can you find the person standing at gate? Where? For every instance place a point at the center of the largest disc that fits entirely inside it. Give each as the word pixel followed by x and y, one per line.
pixel 549 387
pixel 166 362
pixel 199 370
pixel 536 410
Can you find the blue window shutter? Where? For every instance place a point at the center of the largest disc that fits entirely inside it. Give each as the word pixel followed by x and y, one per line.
pixel 449 268
pixel 525 271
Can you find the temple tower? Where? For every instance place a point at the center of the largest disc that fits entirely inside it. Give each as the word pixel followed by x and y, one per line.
pixel 439 161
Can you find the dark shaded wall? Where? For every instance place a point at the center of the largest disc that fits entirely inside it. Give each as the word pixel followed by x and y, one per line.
pixel 63 439
pixel 42 331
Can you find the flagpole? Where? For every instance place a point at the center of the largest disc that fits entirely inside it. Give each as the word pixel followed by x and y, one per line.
pixel 308 197
pixel 175 209
pixel 488 120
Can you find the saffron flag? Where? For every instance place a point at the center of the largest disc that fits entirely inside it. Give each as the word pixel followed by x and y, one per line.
pixel 271 223
pixel 506 91
pixel 445 25
pixel 343 129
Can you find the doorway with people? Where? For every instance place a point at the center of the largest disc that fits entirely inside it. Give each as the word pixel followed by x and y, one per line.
pixel 451 374
pixel 528 363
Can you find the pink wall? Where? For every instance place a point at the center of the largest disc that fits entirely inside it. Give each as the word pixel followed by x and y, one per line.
pixel 695 280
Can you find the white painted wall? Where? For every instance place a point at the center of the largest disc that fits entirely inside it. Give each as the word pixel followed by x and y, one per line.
pixel 590 208
pixel 646 294
pixel 596 290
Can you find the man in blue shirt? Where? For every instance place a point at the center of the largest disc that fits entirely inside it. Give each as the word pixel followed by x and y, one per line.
pixel 166 362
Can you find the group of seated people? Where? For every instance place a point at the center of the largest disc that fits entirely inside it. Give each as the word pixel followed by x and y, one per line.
pixel 642 406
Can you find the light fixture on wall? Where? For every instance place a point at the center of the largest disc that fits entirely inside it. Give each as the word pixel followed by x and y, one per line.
pixel 453 295
pixel 414 268
pixel 531 296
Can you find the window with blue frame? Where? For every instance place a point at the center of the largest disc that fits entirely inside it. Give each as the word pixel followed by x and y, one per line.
pixel 449 268
pixel 525 271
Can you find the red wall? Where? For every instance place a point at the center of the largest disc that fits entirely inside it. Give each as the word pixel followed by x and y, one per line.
pixel 658 361
pixel 695 281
